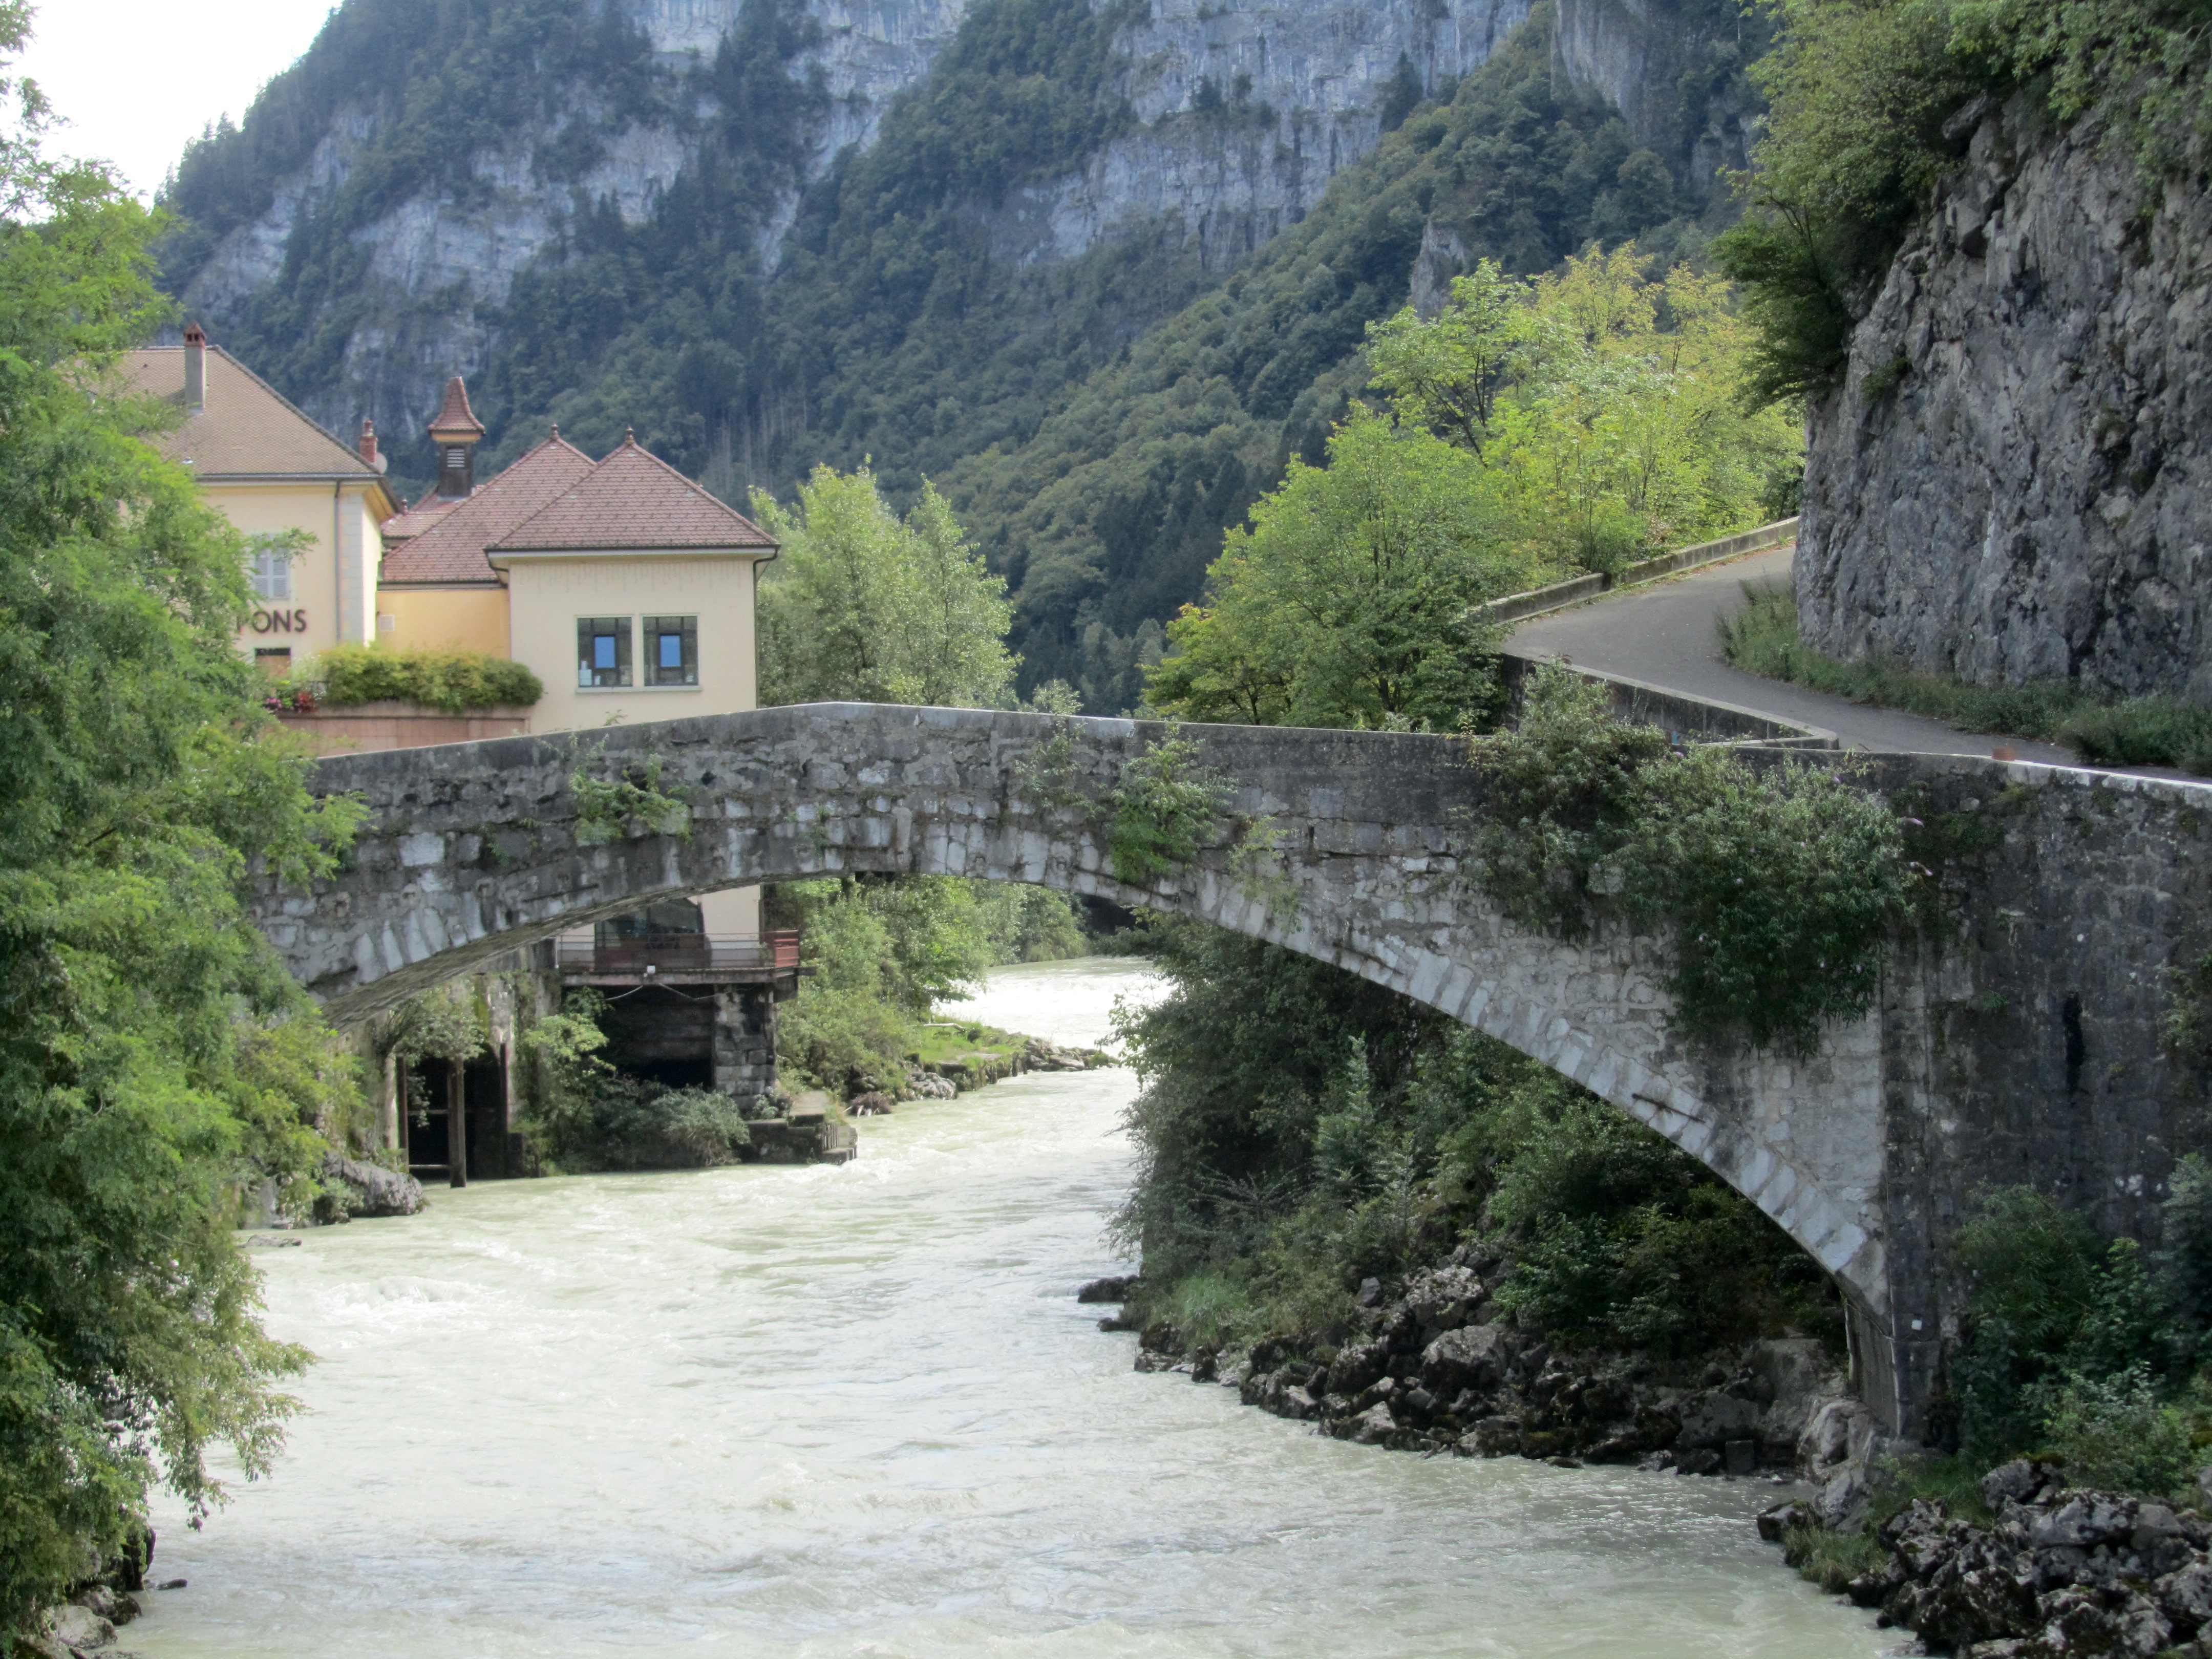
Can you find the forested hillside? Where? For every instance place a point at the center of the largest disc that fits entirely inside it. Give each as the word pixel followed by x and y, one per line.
pixel 1098 421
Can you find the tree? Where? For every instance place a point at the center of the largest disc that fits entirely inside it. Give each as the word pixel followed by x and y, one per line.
pixel 867 606
pixel 1349 601
pixel 1444 374
pixel 150 1040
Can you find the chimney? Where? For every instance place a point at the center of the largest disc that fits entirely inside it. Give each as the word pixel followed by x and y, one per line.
pixel 367 445
pixel 456 431
pixel 195 369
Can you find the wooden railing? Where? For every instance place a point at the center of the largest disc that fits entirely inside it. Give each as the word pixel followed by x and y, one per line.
pixel 680 953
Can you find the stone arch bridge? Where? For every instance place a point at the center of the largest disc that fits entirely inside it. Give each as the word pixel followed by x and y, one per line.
pixel 2025 1049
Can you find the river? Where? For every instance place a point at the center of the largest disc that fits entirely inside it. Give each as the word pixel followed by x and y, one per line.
pixel 857 1411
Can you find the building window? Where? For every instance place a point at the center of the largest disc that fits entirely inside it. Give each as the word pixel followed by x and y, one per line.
pixel 272 572
pixel 671 651
pixel 602 651
pixel 276 663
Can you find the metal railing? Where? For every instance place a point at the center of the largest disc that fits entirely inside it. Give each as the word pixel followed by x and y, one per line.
pixel 680 953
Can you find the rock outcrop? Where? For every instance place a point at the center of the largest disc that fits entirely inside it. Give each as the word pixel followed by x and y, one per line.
pixel 370 1189
pixel 2016 482
pixel 1301 88
pixel 2058 1573
pixel 1436 1369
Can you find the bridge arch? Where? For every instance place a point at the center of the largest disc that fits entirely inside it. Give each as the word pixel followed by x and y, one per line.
pixel 473 850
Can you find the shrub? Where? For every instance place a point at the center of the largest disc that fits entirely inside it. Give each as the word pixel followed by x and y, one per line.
pixel 643 1126
pixel 452 681
pixel 1164 802
pixel 2115 1434
pixel 1778 886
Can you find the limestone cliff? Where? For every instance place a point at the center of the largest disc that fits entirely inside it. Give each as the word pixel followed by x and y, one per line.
pixel 1243 111
pixel 2016 482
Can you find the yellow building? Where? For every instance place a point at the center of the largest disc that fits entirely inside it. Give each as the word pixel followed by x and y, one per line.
pixel 270 469
pixel 628 589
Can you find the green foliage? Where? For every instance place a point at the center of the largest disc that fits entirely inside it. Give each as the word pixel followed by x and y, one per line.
pixel 2060 1340
pixel 1832 1559
pixel 1862 95
pixel 865 606
pixel 154 1052
pixel 1348 602
pixel 444 1024
pixel 2185 1261
pixel 644 1126
pixel 887 953
pixel 1778 885
pixel 1046 774
pixel 2116 1434
pixel 1444 374
pixel 1762 638
pixel 579 1114
pixel 1164 803
pixel 1106 507
pixel 631 802
pixel 346 676
pixel 1299 1130
pixel 1535 428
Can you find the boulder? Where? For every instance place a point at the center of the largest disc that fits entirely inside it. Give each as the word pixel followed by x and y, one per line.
pixel 1372 1427
pixel 1838 1431
pixel 1356 1366
pixel 2016 1482
pixel 1112 1288
pixel 1710 1420
pixel 1471 1356
pixel 927 1085
pixel 1776 1521
pixel 2120 1622
pixel 2085 1520
pixel 2186 1597
pixel 1494 1436
pixel 80 1628
pixel 874 1103
pixel 1443 1298
pixel 1843 1499
pixel 371 1190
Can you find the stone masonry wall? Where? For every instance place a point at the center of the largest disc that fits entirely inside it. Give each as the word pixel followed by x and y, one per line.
pixel 2022 1043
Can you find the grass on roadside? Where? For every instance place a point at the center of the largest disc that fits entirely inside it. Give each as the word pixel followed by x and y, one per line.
pixel 1762 639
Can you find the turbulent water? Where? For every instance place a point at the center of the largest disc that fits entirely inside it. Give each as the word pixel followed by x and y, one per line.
pixel 858 1411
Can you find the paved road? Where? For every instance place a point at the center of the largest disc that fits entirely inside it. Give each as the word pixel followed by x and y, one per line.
pixel 1665 634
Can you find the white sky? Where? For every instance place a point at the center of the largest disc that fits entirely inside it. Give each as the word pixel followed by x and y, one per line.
pixel 137 80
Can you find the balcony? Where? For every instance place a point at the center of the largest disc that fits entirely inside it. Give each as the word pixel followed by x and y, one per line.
pixel 681 956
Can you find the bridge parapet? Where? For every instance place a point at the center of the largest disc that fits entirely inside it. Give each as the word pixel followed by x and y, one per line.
pixel 1973 1071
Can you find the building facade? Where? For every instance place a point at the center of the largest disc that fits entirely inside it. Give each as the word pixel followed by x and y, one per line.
pixel 270 469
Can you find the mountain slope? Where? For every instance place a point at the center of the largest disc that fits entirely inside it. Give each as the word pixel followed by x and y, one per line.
pixel 1082 265
pixel 576 190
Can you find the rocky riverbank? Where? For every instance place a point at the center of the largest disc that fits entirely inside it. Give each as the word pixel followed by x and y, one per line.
pixel 2047 1571
pixel 106 1599
pixel 1437 1368
pixel 2037 1571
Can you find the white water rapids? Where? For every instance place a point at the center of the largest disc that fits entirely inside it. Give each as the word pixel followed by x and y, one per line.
pixel 767 1411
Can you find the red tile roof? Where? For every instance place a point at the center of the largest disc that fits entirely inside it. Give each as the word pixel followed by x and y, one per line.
pixel 632 500
pixel 454 415
pixel 436 541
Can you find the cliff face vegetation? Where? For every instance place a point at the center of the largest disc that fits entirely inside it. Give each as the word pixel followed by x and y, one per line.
pixel 1085 268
